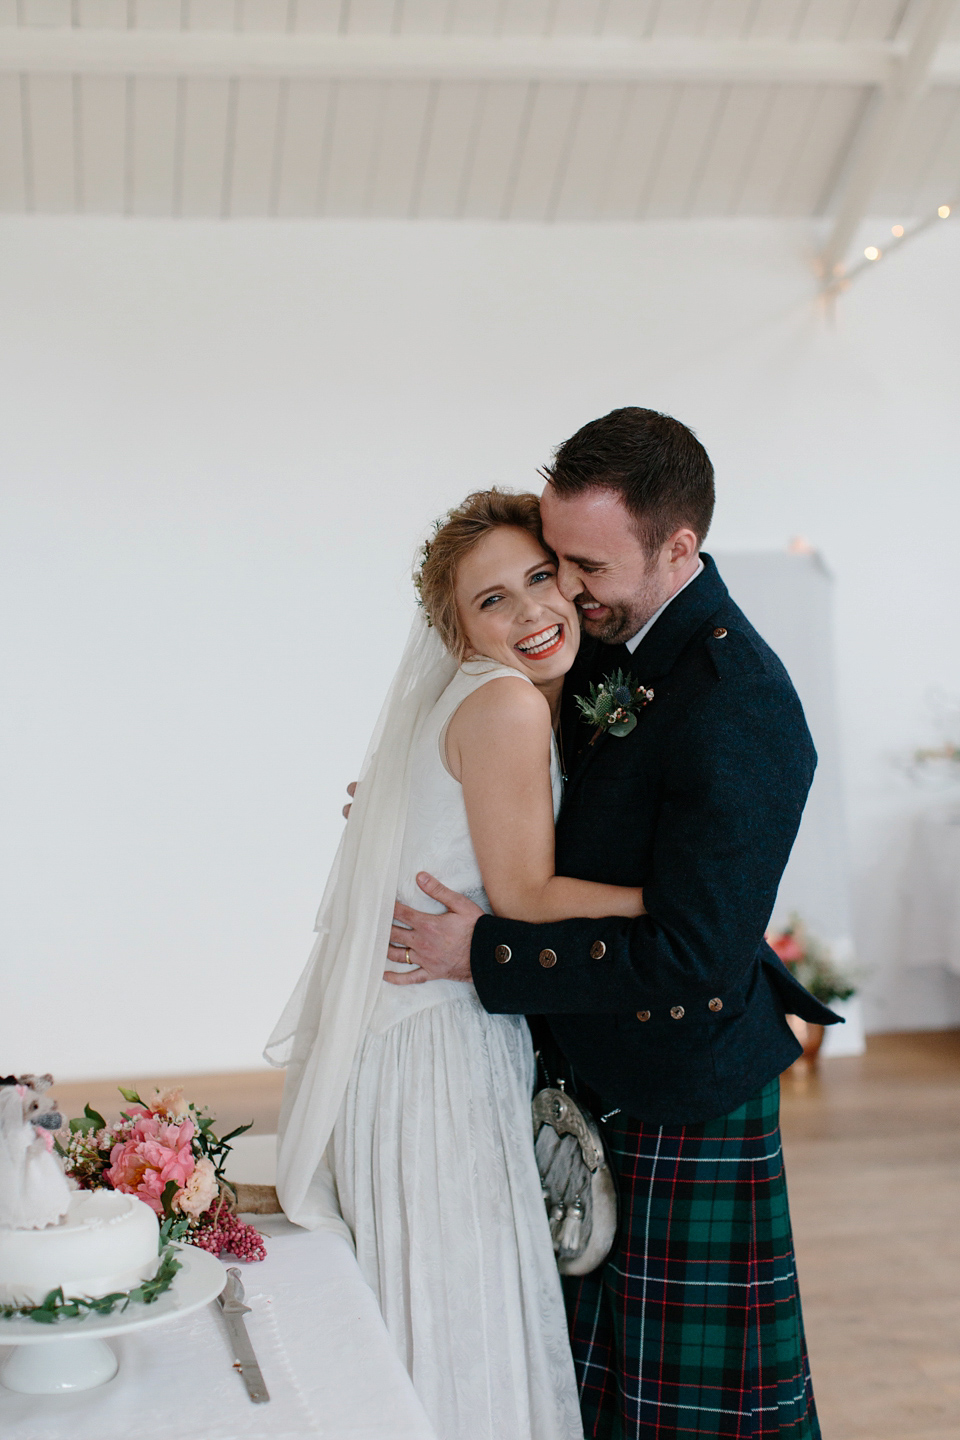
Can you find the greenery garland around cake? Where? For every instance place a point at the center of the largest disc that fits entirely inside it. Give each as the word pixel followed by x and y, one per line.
pixel 163 1150
pixel 56 1306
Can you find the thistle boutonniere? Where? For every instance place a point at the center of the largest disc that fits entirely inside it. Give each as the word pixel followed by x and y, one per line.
pixel 612 705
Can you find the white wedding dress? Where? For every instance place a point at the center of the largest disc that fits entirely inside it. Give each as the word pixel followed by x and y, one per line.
pixel 432 1159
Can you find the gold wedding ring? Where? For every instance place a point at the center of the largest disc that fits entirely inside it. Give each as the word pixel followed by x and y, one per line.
pixel 406 956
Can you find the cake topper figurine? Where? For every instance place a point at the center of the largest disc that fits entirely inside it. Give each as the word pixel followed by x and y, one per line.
pixel 34 1191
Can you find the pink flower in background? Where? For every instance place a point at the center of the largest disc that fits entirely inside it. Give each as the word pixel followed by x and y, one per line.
pixel 168 1102
pixel 153 1153
pixel 786 947
pixel 200 1190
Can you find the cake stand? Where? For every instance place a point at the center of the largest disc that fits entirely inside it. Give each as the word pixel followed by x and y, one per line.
pixel 71 1354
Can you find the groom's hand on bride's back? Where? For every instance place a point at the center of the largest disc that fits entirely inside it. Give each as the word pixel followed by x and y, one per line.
pixel 439 944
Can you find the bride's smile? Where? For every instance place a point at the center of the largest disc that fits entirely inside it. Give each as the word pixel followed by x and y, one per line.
pixel 544 643
pixel 511 608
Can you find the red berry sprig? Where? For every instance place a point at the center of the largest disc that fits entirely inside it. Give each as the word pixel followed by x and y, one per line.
pixel 229 1233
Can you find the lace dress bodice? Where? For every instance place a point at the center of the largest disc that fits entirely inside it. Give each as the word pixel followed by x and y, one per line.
pixel 437 833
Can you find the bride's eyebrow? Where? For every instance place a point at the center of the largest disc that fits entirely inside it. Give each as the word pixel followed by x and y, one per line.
pixel 491 588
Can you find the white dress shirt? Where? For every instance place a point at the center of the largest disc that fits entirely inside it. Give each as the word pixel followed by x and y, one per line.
pixel 635 641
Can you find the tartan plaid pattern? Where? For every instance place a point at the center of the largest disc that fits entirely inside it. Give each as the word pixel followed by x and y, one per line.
pixel 692 1327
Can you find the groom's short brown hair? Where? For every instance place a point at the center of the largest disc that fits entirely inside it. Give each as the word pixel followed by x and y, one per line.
pixel 654 463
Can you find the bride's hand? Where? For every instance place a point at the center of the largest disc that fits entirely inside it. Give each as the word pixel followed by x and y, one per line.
pixel 351 791
pixel 439 944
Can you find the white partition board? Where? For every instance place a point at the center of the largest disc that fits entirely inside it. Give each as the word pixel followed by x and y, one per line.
pixel 789 600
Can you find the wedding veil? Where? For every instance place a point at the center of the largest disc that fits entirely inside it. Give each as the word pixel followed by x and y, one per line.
pixel 317 1035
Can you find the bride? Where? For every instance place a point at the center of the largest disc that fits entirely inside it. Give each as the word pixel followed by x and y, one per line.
pixel 406 1114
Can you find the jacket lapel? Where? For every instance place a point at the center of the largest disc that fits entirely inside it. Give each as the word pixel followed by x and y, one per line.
pixel 656 654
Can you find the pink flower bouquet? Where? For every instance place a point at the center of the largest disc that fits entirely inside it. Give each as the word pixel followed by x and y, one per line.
pixel 810 961
pixel 164 1151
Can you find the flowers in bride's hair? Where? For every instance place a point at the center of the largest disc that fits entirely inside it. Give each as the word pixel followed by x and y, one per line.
pixel 418 579
pixel 613 705
pixel 423 556
pixel 163 1149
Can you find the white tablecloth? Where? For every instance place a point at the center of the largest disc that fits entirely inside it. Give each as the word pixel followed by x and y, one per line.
pixel 326 1357
pixel 931 902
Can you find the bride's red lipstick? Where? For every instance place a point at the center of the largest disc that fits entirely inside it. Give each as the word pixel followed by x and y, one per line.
pixel 542 654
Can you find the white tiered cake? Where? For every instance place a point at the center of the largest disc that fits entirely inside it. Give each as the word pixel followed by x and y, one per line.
pixel 107 1242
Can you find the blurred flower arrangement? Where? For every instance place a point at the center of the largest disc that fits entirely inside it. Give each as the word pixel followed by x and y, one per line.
pixel 810 961
pixel 164 1151
pixel 939 763
pixel 947 751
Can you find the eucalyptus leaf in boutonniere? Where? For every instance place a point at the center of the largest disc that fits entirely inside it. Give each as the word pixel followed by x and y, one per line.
pixel 612 706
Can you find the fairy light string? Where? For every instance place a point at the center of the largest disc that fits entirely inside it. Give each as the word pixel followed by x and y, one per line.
pixel 901 235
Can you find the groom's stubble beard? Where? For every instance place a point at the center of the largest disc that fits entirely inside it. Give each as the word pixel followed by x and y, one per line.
pixel 629 615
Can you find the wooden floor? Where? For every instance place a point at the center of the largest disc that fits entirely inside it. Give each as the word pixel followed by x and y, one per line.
pixel 873 1159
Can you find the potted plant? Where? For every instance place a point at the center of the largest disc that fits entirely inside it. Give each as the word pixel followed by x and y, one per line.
pixel 811 962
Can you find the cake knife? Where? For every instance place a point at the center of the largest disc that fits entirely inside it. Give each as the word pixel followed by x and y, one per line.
pixel 233 1309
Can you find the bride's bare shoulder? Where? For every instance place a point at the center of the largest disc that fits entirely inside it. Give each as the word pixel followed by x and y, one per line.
pixel 510 699
pixel 503 718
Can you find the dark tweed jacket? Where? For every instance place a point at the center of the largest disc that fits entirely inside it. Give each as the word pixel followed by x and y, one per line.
pixel 676 1017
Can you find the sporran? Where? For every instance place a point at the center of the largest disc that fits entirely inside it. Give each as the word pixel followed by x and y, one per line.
pixel 578 1188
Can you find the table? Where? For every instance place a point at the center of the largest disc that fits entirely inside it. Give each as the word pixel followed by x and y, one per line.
pixel 329 1364
pixel 931 901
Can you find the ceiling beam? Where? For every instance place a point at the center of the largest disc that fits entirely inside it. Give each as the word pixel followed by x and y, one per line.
pixel 883 124
pixel 400 57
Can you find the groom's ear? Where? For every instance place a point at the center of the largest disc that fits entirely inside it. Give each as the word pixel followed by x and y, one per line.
pixel 682 546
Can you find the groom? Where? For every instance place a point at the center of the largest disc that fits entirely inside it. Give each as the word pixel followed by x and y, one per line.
pixel 671 1027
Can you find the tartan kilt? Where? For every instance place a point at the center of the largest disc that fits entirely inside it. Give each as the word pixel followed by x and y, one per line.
pixel 692 1326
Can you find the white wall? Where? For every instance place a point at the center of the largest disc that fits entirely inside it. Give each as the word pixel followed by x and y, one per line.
pixel 219 445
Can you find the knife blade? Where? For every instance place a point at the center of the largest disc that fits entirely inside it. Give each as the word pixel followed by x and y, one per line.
pixel 233 1310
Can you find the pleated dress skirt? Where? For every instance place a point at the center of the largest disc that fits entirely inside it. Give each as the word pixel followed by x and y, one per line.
pixel 436 1177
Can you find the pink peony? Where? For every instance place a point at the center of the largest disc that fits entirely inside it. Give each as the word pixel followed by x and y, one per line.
pixel 786 947
pixel 200 1190
pixel 153 1153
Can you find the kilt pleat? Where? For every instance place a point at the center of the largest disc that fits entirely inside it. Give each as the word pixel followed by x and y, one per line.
pixel 693 1325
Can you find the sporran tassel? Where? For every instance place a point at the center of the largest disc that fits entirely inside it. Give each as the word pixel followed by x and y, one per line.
pixel 570 1230
pixel 556 1221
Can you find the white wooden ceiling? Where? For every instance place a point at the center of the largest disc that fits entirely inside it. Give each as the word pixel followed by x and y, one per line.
pixel 622 109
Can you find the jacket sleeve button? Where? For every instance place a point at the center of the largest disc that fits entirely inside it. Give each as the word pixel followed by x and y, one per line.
pixel 548 958
pixel 597 950
pixel 643 1014
pixel 720 633
pixel 502 954
pixel 677 1012
pixel 715 1004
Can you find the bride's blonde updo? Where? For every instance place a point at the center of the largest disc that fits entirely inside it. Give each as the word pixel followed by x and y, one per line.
pixel 464 526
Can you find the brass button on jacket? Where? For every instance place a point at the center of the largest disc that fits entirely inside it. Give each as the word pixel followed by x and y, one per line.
pixel 720 633
pixel 548 958
pixel 677 1012
pixel 643 1014
pixel 597 950
pixel 502 954
pixel 715 1004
